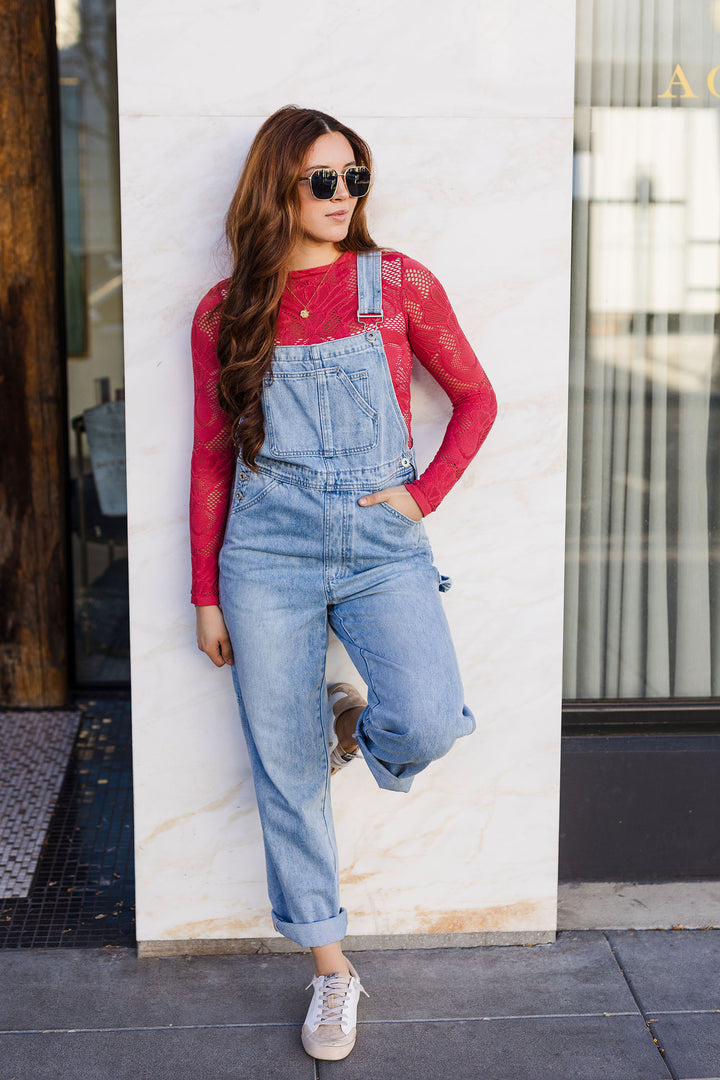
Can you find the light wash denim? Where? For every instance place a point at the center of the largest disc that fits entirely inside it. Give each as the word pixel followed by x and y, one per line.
pixel 299 555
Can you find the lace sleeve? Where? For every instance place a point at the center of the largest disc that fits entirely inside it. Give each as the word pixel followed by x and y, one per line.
pixel 442 348
pixel 213 456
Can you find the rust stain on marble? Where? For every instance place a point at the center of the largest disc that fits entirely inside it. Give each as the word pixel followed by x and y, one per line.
pixel 214 927
pixel 524 914
pixel 356 879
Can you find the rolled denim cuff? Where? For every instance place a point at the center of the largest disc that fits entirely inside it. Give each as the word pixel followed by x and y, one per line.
pixel 383 777
pixel 309 935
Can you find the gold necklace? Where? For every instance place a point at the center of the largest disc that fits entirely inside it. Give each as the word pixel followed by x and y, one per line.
pixel 305 310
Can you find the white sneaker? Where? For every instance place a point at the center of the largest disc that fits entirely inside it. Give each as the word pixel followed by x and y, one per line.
pixel 342 696
pixel 330 1027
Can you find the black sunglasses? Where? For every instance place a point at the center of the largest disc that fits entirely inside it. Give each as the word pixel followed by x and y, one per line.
pixel 324 182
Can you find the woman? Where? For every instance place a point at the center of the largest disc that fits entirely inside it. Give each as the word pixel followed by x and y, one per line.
pixel 306 513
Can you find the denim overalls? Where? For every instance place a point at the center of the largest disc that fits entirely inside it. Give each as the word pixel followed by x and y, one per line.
pixel 300 554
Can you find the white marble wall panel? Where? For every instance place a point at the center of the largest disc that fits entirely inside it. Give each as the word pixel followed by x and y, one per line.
pixel 405 58
pixel 473 847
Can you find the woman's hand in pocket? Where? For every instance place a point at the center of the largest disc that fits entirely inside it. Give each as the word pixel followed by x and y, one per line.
pixel 212 636
pixel 398 497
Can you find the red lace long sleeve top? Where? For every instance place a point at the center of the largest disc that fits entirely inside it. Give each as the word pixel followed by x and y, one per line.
pixel 417 318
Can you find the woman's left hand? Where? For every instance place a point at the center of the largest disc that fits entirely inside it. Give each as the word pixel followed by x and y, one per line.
pixel 399 498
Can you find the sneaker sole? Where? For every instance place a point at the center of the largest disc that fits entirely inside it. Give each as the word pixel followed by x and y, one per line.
pixel 323 1052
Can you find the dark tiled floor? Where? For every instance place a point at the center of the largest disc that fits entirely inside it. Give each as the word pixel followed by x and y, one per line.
pixel 573 1010
pixel 82 891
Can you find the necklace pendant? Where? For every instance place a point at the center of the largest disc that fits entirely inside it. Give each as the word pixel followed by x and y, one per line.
pixel 304 314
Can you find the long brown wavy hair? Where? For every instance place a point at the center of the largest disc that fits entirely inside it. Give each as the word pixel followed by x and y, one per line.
pixel 262 227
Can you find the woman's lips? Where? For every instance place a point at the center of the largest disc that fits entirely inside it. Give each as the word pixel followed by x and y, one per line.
pixel 339 215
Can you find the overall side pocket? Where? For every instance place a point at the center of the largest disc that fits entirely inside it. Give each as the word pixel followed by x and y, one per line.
pixel 250 487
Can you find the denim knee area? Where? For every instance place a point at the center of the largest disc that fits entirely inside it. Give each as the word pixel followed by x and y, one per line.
pixel 398 638
pixel 395 757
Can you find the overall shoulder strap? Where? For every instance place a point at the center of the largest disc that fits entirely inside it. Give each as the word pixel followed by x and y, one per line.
pixel 369 282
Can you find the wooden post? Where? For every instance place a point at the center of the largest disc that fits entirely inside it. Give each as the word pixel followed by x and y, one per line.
pixel 34 599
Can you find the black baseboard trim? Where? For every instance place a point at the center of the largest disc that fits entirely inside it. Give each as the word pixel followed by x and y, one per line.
pixel 626 716
pixel 640 807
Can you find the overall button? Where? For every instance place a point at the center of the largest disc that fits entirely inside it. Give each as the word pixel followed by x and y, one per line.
pixel 405 461
pixel 370 336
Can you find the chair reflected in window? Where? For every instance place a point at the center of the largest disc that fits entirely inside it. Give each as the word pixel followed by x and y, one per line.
pixel 99 517
pixel 100 502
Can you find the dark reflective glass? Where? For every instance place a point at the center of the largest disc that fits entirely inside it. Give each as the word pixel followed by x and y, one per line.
pixel 357 181
pixel 323 182
pixel 97 507
pixel 642 580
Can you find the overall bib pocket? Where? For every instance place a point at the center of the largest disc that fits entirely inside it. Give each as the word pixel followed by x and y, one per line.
pixel 319 413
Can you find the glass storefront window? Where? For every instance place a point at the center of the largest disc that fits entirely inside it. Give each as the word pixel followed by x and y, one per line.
pixel 642 606
pixel 93 308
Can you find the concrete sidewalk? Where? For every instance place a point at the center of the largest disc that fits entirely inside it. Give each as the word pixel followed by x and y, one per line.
pixel 624 1004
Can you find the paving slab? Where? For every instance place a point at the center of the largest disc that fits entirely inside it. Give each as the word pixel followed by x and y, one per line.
pixel 564 1048
pixel 575 974
pixel 49 988
pixel 691 1042
pixel 670 970
pixel 101 988
pixel 267 1053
